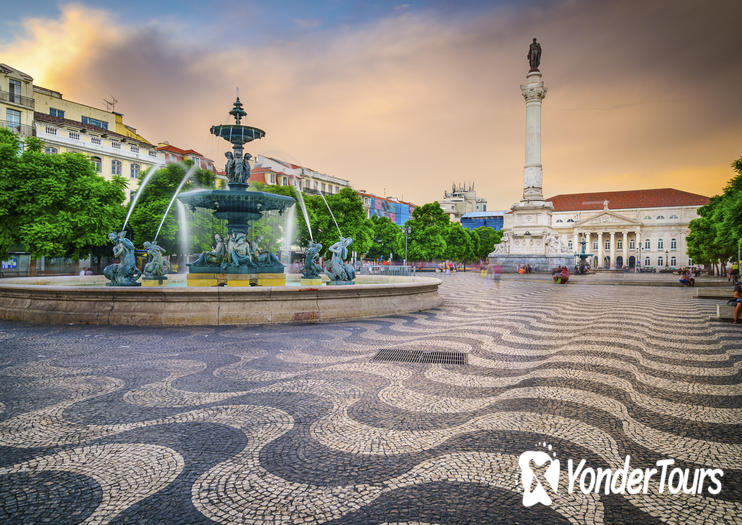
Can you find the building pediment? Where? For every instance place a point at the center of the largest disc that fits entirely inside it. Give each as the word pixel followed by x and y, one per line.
pixel 608 218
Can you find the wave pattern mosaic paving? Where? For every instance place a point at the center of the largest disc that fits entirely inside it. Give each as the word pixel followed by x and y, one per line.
pixel 298 424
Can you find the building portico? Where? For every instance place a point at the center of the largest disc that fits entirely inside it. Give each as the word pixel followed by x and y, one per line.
pixel 647 228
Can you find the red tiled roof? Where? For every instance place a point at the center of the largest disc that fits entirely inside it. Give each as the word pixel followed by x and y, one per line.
pixel 618 200
pixel 179 151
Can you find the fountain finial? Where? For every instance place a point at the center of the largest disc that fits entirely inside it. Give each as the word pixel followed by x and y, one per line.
pixel 237 112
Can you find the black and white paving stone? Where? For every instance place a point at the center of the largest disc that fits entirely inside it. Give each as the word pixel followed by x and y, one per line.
pixel 296 424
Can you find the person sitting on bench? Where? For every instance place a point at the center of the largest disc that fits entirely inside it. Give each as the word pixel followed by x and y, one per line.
pixel 686 278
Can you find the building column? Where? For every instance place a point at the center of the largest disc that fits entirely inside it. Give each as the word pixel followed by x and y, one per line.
pixel 612 251
pixel 638 236
pixel 600 250
pixel 625 252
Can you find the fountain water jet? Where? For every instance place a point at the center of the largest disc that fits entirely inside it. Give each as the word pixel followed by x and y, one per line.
pixel 304 211
pixel 144 183
pixel 289 234
pixel 187 176
pixel 185 237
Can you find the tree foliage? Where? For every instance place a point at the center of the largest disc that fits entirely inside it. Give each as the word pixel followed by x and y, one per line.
pixel 428 232
pixel 488 237
pixel 715 235
pixel 388 239
pixel 54 205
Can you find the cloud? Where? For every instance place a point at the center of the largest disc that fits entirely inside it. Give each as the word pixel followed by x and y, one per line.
pixel 639 96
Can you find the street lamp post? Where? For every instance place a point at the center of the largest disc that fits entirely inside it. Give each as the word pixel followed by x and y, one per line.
pixel 406 230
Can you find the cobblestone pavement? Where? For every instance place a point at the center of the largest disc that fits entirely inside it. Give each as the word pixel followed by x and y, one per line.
pixel 296 424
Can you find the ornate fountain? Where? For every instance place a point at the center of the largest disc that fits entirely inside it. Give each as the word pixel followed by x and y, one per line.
pixel 236 260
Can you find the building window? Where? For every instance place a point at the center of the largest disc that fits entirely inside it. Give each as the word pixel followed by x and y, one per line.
pixel 134 149
pixel 50 131
pixel 647 218
pixel 54 112
pixel 690 261
pixel 559 220
pixel 595 245
pixel 660 261
pixel 660 244
pixel 607 244
pixel 673 244
pixel 673 216
pixel 316 186
pixel 95 122
pixel 134 173
pixel 323 187
pixel 632 244
pixel 15 90
pixel 647 244
pixel 14 119
pixel 115 145
pixel 74 135
pixel 646 261
pixel 673 261
pixel 660 217
pixel 271 178
pixel 570 220
pixel 50 150
pixel 152 153
pixel 619 244
pixel 97 163
pixel 569 243
pixel 284 181
pixel 115 167
pixel 95 140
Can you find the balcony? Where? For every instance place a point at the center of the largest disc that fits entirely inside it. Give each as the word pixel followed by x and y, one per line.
pixel 15 98
pixel 21 129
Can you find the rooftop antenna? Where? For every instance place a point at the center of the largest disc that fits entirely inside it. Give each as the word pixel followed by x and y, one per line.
pixel 110 104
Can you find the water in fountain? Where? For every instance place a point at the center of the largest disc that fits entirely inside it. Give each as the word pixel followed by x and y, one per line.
pixel 180 187
pixel 289 234
pixel 151 172
pixel 304 211
pixel 185 237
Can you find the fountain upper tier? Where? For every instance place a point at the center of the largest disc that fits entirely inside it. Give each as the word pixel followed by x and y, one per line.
pixel 236 133
pixel 236 205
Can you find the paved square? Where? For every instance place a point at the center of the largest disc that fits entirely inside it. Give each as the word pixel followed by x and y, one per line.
pixel 296 424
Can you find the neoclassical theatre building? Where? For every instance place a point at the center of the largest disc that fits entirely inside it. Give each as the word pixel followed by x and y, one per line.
pixel 645 228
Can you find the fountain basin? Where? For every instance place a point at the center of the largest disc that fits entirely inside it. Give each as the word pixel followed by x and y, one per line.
pixel 84 300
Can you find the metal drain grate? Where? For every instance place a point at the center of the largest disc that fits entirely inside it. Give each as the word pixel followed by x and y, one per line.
pixel 420 356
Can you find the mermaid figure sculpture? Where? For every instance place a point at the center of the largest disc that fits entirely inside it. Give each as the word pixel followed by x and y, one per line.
pixel 125 273
pixel 157 266
pixel 311 268
pixel 338 270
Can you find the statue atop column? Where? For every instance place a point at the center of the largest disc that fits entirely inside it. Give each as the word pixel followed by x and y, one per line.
pixel 534 55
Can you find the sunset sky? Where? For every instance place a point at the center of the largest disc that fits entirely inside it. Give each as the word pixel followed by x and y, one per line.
pixel 409 97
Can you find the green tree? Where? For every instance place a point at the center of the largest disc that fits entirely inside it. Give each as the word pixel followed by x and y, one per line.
pixel 459 243
pixel 54 205
pixel 715 235
pixel 428 230
pixel 488 237
pixel 347 208
pixel 387 239
pixel 153 202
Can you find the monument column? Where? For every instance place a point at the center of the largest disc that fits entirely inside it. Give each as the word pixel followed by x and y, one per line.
pixel 600 250
pixel 534 93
